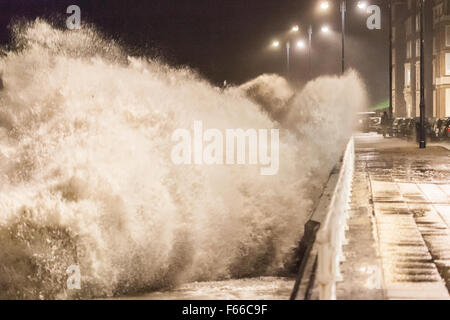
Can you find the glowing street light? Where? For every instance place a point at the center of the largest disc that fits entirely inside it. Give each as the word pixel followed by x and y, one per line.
pixel 343 10
pixel 301 44
pixel 324 5
pixel 362 5
pixel 325 29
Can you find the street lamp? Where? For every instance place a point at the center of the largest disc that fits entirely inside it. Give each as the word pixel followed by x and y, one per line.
pixel 310 31
pixel 391 111
pixel 288 57
pixel 324 5
pixel 362 5
pixel 422 135
pixel 301 44
pixel 276 44
pixel 325 29
pixel 343 9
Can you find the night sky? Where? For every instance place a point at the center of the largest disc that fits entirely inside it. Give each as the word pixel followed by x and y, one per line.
pixel 227 39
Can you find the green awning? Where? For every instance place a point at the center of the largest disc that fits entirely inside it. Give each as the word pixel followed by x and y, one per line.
pixel 381 106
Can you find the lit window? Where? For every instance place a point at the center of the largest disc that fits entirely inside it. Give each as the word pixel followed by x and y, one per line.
pixel 434 72
pixel 447 102
pixel 418 104
pixel 408 49
pixel 434 103
pixel 407 75
pixel 447 36
pixel 417 76
pixel 447 64
pixel 408 26
pixel 393 78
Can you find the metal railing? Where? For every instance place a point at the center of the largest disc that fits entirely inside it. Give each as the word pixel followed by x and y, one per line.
pixel 324 233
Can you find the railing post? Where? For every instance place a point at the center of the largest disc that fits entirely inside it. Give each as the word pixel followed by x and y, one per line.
pixel 332 216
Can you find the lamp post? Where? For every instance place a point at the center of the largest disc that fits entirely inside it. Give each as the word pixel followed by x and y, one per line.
pixel 343 10
pixel 422 134
pixel 288 54
pixel 391 5
pixel 300 44
pixel 309 49
pixel 324 5
pixel 276 44
pixel 391 111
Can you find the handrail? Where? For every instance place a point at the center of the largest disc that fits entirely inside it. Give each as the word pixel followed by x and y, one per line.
pixel 331 235
pixel 325 231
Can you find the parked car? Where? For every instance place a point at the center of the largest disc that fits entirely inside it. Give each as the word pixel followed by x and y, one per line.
pixel 363 121
pixel 436 129
pixel 442 130
pixel 434 126
pixel 396 124
pixel 375 124
pixel 447 129
pixel 428 129
pixel 403 127
pixel 409 128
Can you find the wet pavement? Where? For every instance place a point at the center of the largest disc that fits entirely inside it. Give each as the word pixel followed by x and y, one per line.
pixel 261 288
pixel 401 204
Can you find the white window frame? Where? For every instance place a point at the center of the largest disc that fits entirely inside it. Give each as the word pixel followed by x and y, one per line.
pixel 407 75
pixel 434 71
pixel 434 103
pixel 393 78
pixel 408 26
pixel 417 103
pixel 447 64
pixel 408 50
pixel 447 36
pixel 447 102
pixel 418 76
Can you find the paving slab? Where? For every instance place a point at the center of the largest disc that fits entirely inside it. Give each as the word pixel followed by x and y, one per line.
pixel 406 206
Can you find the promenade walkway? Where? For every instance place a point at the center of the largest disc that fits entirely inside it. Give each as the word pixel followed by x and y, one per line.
pixel 399 227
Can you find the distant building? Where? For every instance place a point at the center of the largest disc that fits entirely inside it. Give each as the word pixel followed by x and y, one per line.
pixel 441 58
pixel 406 58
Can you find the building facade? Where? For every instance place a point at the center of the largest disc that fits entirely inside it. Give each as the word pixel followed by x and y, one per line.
pixel 441 58
pixel 406 59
